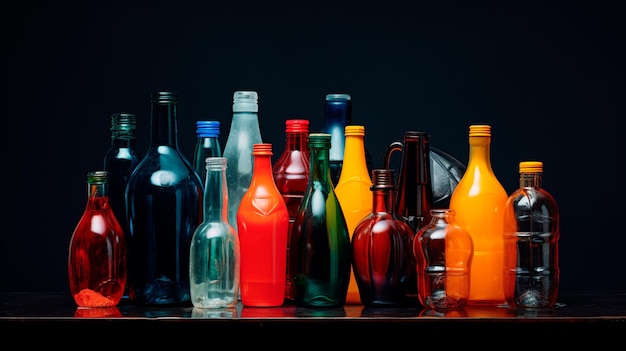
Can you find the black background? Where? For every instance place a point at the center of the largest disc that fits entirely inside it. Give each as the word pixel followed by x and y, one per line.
pixel 548 76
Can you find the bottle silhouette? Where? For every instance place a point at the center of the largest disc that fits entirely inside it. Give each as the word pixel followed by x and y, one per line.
pixel 291 175
pixel 207 145
pixel 337 115
pixel 120 161
pixel 164 202
pixel 531 236
pixel 214 261
pixel 263 220
pixel 97 266
pixel 319 250
pixel 244 133
pixel 353 191
pixel 382 252
pixel 479 201
pixel 444 252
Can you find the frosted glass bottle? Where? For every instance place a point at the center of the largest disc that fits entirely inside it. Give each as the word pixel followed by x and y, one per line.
pixel 479 201
pixel 207 145
pixel 291 174
pixel 353 191
pixel 531 237
pixel 120 161
pixel 164 202
pixel 319 250
pixel 444 252
pixel 382 251
pixel 244 132
pixel 97 265
pixel 214 261
pixel 263 220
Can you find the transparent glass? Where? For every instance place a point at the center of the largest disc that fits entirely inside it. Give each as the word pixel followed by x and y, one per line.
pixel 207 145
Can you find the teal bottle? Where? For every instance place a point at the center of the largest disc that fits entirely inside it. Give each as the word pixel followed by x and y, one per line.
pixel 319 249
pixel 164 204
pixel 207 145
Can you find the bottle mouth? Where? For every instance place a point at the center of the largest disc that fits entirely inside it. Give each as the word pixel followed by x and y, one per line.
pixel 338 97
pixel 164 96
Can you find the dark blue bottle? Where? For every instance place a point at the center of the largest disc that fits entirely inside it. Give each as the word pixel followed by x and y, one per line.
pixel 164 204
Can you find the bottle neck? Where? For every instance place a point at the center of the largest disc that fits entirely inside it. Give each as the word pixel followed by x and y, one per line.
pixel 296 141
pixel 354 156
pixel 479 152
pixel 97 195
pixel 320 170
pixel 382 200
pixel 216 191
pixel 163 124
pixel 124 142
pixel 530 180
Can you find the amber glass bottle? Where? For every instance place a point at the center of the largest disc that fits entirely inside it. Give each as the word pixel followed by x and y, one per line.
pixel 479 201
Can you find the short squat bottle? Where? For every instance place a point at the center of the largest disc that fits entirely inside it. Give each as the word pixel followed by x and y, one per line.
pixel 244 132
pixel 444 253
pixel 207 145
pixel 531 236
pixel 479 201
pixel 120 161
pixel 164 202
pixel 319 250
pixel 291 174
pixel 214 261
pixel 382 251
pixel 97 252
pixel 263 220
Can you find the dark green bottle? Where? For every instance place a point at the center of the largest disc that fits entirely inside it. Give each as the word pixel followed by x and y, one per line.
pixel 320 252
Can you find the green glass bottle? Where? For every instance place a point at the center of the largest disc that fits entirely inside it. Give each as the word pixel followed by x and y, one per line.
pixel 320 252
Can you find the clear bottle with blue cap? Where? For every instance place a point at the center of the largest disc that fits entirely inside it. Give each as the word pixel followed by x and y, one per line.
pixel 207 145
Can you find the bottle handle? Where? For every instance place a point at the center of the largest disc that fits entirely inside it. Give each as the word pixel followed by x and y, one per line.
pixel 394 146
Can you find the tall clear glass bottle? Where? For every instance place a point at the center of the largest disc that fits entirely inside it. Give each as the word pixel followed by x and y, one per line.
pixel 531 237
pixel 479 201
pixel 319 250
pixel 207 145
pixel 120 161
pixel 291 174
pixel 353 191
pixel 263 220
pixel 214 261
pixel 97 265
pixel 244 133
pixel 382 252
pixel 164 202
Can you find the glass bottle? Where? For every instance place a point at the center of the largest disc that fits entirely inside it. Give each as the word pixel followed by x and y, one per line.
pixel 291 174
pixel 479 201
pixel 263 220
pixel 531 236
pixel 164 201
pixel 353 191
pixel 97 252
pixel 214 255
pixel 337 115
pixel 207 145
pixel 444 252
pixel 319 251
pixel 120 161
pixel 244 132
pixel 382 252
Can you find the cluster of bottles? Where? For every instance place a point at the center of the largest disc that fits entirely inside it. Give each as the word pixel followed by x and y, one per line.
pixel 321 227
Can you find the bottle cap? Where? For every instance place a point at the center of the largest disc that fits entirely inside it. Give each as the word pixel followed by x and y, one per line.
pixel 208 129
pixel 338 97
pixel 382 179
pixel 355 130
pixel 245 101
pixel 262 149
pixel 531 167
pixel 319 140
pixel 480 130
pixel 297 125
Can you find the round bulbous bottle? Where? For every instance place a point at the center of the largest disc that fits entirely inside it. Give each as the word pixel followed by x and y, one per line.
pixel 444 253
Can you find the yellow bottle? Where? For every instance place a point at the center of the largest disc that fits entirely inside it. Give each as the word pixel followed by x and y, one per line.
pixel 479 201
pixel 353 191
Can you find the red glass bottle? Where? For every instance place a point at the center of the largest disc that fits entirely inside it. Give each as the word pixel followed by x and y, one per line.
pixel 97 253
pixel 262 222
pixel 291 174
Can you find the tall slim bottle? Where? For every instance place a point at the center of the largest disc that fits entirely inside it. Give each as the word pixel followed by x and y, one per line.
pixel 207 145
pixel 291 174
pixel 337 115
pixel 479 201
pixel 244 133
pixel 164 204
pixel 382 251
pixel 531 237
pixel 120 161
pixel 214 261
pixel 319 250
pixel 353 191
pixel 97 264
pixel 263 220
